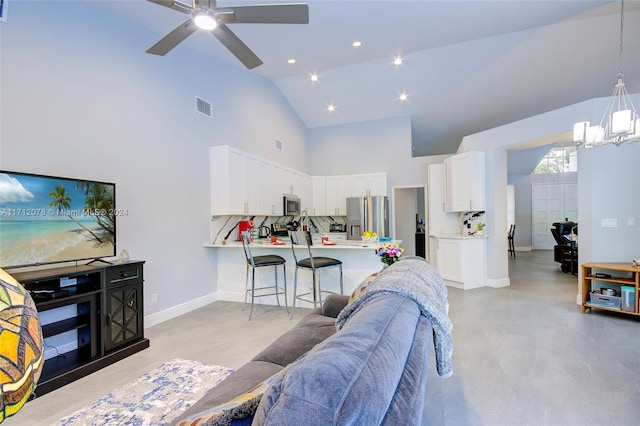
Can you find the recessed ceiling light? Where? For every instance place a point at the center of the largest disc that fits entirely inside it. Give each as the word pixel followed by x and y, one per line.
pixel 356 43
pixel 313 77
pixel 403 96
pixel 331 108
pixel 397 60
pixel 291 61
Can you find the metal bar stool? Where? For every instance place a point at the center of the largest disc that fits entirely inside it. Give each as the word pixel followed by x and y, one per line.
pixel 313 263
pixel 255 262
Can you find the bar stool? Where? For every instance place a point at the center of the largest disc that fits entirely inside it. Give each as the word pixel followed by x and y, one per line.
pixel 255 262
pixel 313 263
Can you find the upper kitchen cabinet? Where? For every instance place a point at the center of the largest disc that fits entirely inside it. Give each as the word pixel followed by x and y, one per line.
pixel 241 183
pixel 319 196
pixel 367 184
pixel 303 190
pixel 336 190
pixel 464 182
pixel 267 194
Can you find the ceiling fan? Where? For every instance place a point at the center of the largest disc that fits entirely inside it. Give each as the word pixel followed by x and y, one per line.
pixel 205 14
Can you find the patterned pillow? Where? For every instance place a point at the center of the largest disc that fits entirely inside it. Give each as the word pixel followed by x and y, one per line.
pixel 361 288
pixel 241 407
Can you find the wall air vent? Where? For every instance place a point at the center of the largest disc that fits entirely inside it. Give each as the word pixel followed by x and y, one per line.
pixel 204 107
pixel 279 144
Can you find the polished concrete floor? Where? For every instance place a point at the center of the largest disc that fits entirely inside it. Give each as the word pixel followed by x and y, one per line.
pixel 523 355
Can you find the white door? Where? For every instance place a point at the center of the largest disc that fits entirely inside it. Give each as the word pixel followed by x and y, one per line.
pixel 571 202
pixel 552 203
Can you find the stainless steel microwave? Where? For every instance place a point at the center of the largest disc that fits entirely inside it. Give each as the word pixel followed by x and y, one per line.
pixel 291 205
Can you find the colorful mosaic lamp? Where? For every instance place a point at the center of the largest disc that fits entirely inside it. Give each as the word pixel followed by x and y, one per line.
pixel 21 346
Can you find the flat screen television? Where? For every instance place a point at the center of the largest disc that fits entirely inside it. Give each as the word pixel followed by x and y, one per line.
pixel 47 219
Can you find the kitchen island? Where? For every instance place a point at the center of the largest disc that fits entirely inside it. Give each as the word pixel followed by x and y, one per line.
pixel 358 261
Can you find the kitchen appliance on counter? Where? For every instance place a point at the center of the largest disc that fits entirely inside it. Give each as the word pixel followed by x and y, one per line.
pixel 264 231
pixel 367 214
pixel 244 225
pixel 281 229
pixel 291 205
pixel 337 227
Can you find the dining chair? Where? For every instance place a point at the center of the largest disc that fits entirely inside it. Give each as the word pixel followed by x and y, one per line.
pixel 512 249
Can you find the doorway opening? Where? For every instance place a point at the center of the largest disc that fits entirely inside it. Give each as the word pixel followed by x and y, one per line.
pixel 409 218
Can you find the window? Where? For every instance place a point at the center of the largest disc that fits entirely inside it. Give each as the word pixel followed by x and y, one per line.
pixel 562 158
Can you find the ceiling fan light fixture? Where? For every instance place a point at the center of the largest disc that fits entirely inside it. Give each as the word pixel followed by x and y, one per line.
pixel 204 19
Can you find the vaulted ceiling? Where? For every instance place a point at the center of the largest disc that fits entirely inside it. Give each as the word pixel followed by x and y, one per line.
pixel 467 66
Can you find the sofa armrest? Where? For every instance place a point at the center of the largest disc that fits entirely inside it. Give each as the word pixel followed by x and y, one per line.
pixel 333 304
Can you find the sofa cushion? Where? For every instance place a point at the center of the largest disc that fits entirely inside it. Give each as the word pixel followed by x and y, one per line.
pixel 237 383
pixel 352 377
pixel 333 304
pixel 311 330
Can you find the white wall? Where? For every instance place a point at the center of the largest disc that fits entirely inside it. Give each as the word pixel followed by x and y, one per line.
pixel 372 146
pixel 81 98
pixel 608 179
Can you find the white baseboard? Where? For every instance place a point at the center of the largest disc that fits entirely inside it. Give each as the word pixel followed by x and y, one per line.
pixel 175 311
pixel 501 282
pixel 528 248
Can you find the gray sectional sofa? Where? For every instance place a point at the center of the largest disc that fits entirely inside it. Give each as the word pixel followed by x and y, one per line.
pixel 371 371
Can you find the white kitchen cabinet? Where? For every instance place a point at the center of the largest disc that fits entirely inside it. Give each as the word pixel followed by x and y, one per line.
pixel 464 182
pixel 319 196
pixel 227 181
pixel 438 220
pixel 303 190
pixel 460 260
pixel 336 187
pixel 278 190
pixel 266 205
pixel 367 184
pixel 242 184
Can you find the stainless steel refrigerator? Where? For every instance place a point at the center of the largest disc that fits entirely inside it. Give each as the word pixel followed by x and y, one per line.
pixel 367 214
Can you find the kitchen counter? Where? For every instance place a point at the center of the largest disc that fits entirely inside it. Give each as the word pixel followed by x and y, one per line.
pixel 340 245
pixel 460 259
pixel 358 261
pixel 457 236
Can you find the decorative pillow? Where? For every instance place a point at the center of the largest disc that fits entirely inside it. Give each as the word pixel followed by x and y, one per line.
pixel 361 288
pixel 241 407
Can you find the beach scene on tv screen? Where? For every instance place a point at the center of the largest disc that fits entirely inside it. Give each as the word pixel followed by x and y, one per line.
pixel 47 219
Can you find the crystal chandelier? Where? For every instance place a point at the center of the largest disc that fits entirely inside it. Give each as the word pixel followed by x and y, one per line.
pixel 620 122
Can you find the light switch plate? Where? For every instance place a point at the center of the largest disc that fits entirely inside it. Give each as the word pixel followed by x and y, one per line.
pixel 609 223
pixel 631 221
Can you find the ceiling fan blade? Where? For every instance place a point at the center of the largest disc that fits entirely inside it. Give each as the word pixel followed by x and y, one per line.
pixel 171 4
pixel 174 38
pixel 265 14
pixel 236 46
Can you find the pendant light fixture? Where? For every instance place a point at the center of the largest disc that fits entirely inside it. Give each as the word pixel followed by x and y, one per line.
pixel 620 122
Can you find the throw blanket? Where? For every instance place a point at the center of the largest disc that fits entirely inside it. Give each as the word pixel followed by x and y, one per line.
pixel 416 280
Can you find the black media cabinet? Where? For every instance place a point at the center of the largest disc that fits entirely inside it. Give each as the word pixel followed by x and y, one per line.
pixel 109 316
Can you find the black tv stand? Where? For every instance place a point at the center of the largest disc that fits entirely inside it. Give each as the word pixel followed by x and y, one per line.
pixel 108 321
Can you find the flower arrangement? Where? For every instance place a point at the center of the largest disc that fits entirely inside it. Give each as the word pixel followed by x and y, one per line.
pixel 389 253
